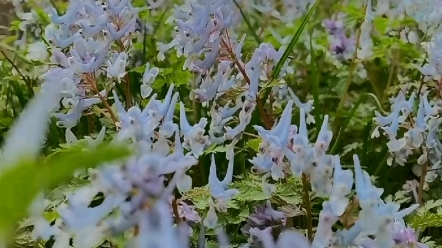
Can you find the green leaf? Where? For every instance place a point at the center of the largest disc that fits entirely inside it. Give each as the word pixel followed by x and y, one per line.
pixel 291 199
pixel 236 218
pixel 44 18
pixel 51 216
pixel 273 83
pixel 426 220
pixel 215 149
pixel 289 49
pixel 253 144
pixel 21 183
pixel 139 69
pixel 354 12
pixel 199 196
pixel 252 195
pixel 15 25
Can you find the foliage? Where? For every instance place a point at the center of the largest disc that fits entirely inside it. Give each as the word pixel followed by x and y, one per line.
pixel 429 215
pixel 276 97
pixel 45 175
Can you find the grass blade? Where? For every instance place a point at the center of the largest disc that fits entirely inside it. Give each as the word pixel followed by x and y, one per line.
pixel 361 99
pixel 288 50
pixel 367 134
pixel 249 25
pixel 293 42
pixel 315 87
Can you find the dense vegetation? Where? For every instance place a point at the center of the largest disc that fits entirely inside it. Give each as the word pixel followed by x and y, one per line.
pixel 217 123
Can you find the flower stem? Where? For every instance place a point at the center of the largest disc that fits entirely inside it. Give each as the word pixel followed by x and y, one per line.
pixel 196 118
pixel 90 79
pixel 350 72
pixel 175 211
pixel 308 207
pixel 267 122
pixel 422 183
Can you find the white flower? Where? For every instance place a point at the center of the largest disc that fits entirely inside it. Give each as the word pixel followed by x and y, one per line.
pixel 37 51
pixel 117 66
pixel 149 76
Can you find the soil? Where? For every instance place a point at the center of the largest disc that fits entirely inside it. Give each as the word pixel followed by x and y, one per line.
pixel 5 15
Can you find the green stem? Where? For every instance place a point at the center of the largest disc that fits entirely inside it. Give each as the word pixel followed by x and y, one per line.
pixel 350 73
pixel 422 183
pixel 259 103
pixel 348 82
pixel 391 73
pixel 308 207
pixel 249 26
pixel 196 118
pixel 382 163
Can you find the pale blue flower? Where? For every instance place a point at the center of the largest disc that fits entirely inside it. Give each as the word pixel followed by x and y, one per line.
pixel 219 189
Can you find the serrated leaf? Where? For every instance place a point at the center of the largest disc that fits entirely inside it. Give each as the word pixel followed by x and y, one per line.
pixel 234 219
pixel 199 196
pixel 251 196
pixel 253 144
pixel 291 199
pixel 426 220
pixel 430 204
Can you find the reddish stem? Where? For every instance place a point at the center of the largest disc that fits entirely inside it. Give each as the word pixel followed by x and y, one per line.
pixel 267 122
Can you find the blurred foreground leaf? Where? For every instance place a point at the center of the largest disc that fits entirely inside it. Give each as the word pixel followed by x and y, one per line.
pixel 21 183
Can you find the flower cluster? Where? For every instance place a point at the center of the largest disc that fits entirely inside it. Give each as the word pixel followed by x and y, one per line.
pixel 420 131
pixel 91 45
pixel 89 30
pixel 263 217
pixel 327 179
pixel 342 46
pixel 432 69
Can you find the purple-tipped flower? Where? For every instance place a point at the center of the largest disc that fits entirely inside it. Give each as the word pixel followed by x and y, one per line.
pixel 342 185
pixel 324 137
pixel 194 137
pixel 326 221
pixel 263 217
pixel 149 76
pixel 70 119
pixel 219 189
pixel 341 46
pixel 333 27
pixel 277 138
pixel 188 212
pixel 301 155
